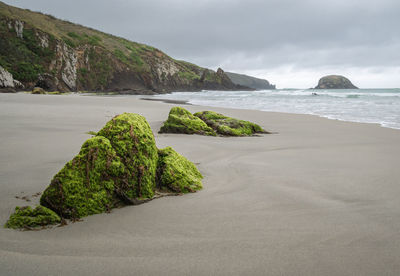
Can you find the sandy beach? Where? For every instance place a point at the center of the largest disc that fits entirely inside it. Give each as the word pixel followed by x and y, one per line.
pixel 320 197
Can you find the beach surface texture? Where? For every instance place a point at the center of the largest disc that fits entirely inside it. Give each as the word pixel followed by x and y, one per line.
pixel 319 197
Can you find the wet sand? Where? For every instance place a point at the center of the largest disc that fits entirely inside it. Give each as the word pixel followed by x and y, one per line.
pixel 321 197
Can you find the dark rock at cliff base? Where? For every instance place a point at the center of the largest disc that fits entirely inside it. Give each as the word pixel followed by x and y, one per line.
pixel 335 82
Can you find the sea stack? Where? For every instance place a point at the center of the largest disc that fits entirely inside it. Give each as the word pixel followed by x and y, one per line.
pixel 335 82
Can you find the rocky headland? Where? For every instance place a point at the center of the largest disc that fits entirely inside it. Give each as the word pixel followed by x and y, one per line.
pixel 39 50
pixel 252 82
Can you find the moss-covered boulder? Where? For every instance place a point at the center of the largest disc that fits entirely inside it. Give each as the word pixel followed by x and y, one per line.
pixel 176 173
pixel 182 121
pixel 120 165
pixel 132 139
pixel 26 217
pixel 227 126
pixel 86 184
pixel 38 90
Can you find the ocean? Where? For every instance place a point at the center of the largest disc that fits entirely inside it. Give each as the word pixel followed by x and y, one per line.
pixel 381 106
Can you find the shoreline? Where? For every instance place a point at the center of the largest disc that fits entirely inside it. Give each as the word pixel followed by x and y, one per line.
pixel 329 104
pixel 187 102
pixel 320 197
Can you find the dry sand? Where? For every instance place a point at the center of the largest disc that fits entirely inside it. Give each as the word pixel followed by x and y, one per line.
pixel 322 197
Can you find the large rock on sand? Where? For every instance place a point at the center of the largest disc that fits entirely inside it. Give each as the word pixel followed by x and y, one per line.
pixel 86 185
pixel 182 121
pixel 335 82
pixel 131 137
pixel 117 167
pixel 227 126
pixel 121 165
pixel 207 123
pixel 176 173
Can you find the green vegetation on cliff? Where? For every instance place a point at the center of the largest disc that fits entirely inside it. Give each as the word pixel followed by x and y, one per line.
pixel 81 58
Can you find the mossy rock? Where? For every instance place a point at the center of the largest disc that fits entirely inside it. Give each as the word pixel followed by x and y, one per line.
pixel 120 165
pixel 26 217
pixel 86 184
pixel 133 141
pixel 38 90
pixel 176 173
pixel 227 126
pixel 182 121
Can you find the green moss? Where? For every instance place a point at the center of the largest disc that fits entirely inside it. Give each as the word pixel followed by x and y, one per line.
pixel 176 173
pixel 100 73
pixel 86 184
pixel 69 42
pixel 38 90
pixel 188 75
pixel 26 217
pixel 182 121
pixel 131 137
pixel 224 125
pixel 133 60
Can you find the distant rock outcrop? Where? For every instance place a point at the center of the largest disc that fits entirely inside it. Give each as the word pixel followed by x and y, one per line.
pixel 335 82
pixel 252 82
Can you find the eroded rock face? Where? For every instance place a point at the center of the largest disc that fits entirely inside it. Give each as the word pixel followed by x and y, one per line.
pixel 19 28
pixel 68 73
pixel 182 121
pixel 8 83
pixel 6 79
pixel 335 82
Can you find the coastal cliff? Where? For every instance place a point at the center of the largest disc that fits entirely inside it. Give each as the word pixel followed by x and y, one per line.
pixel 335 82
pixel 38 50
pixel 252 82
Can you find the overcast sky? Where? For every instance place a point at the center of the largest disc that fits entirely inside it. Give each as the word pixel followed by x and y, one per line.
pixel 292 43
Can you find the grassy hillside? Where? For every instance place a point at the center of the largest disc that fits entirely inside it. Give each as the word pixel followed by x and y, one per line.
pixel 38 48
